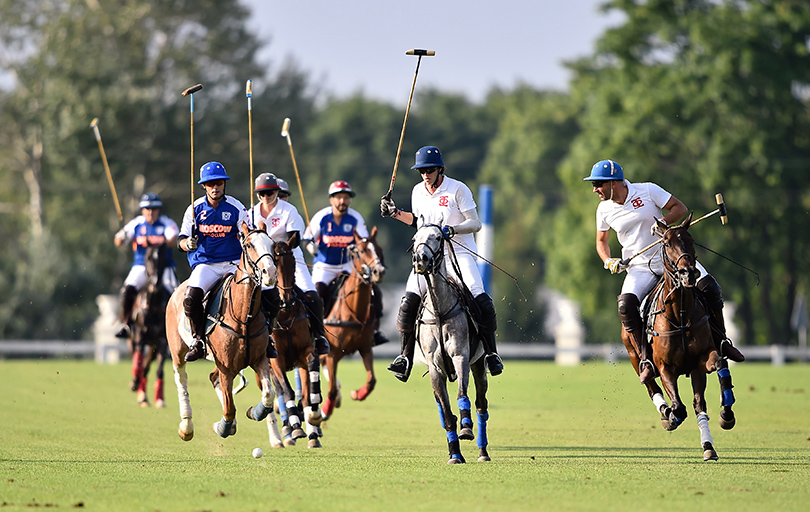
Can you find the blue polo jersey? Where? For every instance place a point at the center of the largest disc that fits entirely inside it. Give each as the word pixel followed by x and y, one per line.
pixel 217 229
pixel 333 237
pixel 144 234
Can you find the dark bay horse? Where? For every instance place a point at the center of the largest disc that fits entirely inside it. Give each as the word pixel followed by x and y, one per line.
pixel 682 339
pixel 148 338
pixel 449 347
pixel 238 340
pixel 296 351
pixel 351 323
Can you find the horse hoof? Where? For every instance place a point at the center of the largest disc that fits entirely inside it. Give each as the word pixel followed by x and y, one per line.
pixel 144 404
pixel 160 404
pixel 314 443
pixel 298 433
pixel 186 430
pixel 484 458
pixel 727 421
pixel 466 434
pixel 316 418
pixel 709 455
pixel 456 460
pixel 276 444
pixel 289 441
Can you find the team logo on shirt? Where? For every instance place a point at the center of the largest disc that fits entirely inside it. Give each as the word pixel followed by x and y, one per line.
pixel 347 227
pixel 275 222
pixel 444 201
pixel 226 215
pixel 637 202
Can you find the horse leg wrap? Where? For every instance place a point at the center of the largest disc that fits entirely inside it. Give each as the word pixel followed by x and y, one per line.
pixel 482 429
pixel 282 409
pixel 453 448
pixel 328 407
pixel 314 387
pixel 466 418
pixel 298 386
pixel 724 376
pixel 441 415
pixel 292 412
pixel 260 412
pixel 158 389
pixel 362 393
pixel 703 426
pixel 223 428
pixel 142 386
pixel 137 365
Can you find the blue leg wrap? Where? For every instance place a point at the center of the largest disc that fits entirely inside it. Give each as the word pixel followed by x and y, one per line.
pixel 260 412
pixel 282 409
pixel 464 403
pixel 297 386
pixel 441 414
pixel 724 375
pixel 224 428
pixel 482 429
pixel 452 436
pixel 728 398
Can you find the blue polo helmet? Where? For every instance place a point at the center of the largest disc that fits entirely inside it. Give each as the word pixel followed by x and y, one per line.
pixel 428 156
pixel 150 200
pixel 212 171
pixel 606 170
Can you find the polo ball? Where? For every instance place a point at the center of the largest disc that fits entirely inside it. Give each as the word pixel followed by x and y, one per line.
pixel 257 453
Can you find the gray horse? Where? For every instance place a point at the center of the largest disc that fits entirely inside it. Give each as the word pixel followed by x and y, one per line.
pixel 449 348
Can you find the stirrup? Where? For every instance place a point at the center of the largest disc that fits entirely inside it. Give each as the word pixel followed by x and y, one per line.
pixel 495 364
pixel 401 368
pixel 380 338
pixel 728 350
pixel 271 353
pixel 124 332
pixel 196 352
pixel 321 345
pixel 643 366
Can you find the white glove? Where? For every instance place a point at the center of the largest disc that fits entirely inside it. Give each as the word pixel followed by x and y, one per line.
pixel 121 236
pixel 615 265
pixel 312 247
pixel 191 243
pixel 387 207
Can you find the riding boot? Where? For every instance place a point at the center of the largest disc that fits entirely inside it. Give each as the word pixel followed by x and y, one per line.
pixel 714 297
pixel 193 307
pixel 631 320
pixel 323 293
pixel 271 305
pixel 127 300
pixel 406 319
pixel 377 309
pixel 314 304
pixel 489 324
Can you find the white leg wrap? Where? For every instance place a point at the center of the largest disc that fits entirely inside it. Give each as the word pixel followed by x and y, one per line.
pixel 181 381
pixel 659 401
pixel 703 426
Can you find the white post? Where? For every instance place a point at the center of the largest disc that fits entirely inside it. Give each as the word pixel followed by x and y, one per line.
pixel 104 330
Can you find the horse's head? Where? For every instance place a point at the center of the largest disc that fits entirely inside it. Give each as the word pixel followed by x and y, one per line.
pixel 285 262
pixel 155 262
pixel 257 247
pixel 367 257
pixel 679 252
pixel 428 249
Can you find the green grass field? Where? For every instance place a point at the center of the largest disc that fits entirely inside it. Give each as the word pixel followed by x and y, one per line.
pixel 575 438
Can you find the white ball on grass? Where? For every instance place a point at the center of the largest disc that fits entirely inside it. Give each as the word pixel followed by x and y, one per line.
pixel 257 453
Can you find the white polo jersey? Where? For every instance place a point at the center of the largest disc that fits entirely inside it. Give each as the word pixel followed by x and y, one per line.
pixel 443 207
pixel 282 220
pixel 633 220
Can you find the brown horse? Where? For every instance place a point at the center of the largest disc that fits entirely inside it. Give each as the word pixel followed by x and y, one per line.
pixel 682 339
pixel 148 339
pixel 351 322
pixel 296 351
pixel 238 340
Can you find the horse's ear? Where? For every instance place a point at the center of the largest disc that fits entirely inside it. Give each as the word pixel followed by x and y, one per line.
pixel 685 224
pixel 295 239
pixel 262 226
pixel 373 234
pixel 661 224
pixel 357 238
pixel 420 222
pixel 245 229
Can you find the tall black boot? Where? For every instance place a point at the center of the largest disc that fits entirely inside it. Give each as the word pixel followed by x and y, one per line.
pixel 314 303
pixel 377 310
pixel 406 319
pixel 271 305
pixel 127 299
pixel 489 324
pixel 710 288
pixel 193 307
pixel 631 320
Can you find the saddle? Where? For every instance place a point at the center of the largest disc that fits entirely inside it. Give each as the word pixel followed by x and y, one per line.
pixel 212 303
pixel 648 313
pixel 333 291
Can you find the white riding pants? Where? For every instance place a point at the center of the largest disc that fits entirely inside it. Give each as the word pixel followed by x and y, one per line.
pixel 640 279
pixel 206 275
pixel 469 274
pixel 323 273
pixel 137 277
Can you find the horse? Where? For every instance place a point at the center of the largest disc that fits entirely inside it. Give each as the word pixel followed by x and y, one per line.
pixel 351 322
pixel 149 329
pixel 296 351
pixel 238 339
pixel 682 339
pixel 449 346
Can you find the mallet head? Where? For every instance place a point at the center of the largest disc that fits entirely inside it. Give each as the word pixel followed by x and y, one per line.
pixel 722 207
pixel 421 53
pixel 192 89
pixel 249 88
pixel 285 129
pixel 94 122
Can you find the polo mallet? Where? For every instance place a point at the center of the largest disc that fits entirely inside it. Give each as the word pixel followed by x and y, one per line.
pixel 94 126
pixel 249 94
pixel 190 92
pixel 420 53
pixel 723 219
pixel 285 132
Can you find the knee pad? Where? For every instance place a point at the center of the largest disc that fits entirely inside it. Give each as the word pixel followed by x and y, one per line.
pixel 193 299
pixel 628 306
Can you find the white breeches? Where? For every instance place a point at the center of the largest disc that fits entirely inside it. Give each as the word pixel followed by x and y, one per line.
pixel 640 279
pixel 302 278
pixel 469 274
pixel 137 277
pixel 323 273
pixel 206 275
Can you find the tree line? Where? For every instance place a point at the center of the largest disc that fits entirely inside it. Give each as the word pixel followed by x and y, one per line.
pixel 698 96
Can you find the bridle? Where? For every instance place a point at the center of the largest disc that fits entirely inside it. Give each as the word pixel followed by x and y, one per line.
pixel 364 269
pixel 436 256
pixel 255 271
pixel 288 290
pixel 671 267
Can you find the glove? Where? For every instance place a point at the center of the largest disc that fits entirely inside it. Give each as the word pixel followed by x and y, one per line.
pixel 312 247
pixel 387 206
pixel 655 231
pixel 191 243
pixel 121 236
pixel 615 265
pixel 448 232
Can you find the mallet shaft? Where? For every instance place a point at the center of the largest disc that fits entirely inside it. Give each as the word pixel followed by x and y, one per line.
pixel 249 94
pixel 94 125
pixel 285 132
